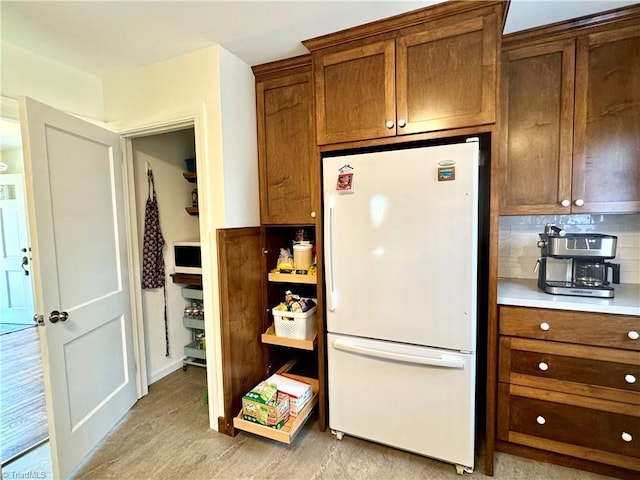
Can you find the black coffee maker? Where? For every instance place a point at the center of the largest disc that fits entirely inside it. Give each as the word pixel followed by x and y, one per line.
pixel 575 263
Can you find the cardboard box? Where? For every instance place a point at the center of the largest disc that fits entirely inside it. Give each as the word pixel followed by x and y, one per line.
pixel 299 393
pixel 264 405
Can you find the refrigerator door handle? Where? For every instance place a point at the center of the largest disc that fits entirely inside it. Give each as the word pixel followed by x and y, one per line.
pixel 400 357
pixel 329 264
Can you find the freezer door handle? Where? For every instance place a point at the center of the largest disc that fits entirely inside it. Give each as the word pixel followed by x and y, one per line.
pixel 444 361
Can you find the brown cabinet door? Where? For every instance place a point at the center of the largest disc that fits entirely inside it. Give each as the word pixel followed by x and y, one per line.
pixel 241 319
pixel 286 147
pixel 537 135
pixel 355 92
pixel 446 75
pixel 606 176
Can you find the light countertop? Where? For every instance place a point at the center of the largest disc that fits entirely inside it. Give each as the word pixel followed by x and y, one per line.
pixel 525 293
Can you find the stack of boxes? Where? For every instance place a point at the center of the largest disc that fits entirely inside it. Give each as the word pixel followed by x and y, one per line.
pixel 273 401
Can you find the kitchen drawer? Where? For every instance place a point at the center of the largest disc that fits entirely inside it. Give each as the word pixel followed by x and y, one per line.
pixel 599 329
pixel 598 430
pixel 592 371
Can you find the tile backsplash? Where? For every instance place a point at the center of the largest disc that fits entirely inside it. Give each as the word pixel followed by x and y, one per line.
pixel 518 241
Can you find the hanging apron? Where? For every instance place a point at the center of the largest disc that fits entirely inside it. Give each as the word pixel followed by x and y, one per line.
pixel 152 258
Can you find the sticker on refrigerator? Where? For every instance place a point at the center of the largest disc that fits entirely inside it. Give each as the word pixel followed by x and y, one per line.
pixel 344 184
pixel 446 170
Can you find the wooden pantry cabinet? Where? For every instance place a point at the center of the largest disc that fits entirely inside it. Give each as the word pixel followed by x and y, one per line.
pixel 569 388
pixel 289 171
pixel 433 69
pixel 289 181
pixel 570 111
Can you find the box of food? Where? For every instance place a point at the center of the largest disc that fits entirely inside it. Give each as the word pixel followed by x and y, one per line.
pixel 299 393
pixel 266 406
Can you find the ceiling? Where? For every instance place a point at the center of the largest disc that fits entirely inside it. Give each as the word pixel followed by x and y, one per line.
pixel 106 37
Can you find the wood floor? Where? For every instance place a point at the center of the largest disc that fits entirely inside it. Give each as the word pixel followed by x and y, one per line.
pixel 166 435
pixel 23 418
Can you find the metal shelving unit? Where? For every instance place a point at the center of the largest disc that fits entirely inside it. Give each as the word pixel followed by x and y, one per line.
pixel 194 351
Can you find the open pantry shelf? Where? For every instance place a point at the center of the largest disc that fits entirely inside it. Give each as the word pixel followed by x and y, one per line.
pixel 191 177
pixel 187 279
pixel 271 338
pixel 292 278
pixel 289 430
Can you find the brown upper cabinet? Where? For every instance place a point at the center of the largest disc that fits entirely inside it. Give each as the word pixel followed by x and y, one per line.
pixel 570 120
pixel 286 142
pixel 433 69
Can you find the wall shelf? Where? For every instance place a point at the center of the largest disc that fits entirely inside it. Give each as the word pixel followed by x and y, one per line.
pixel 191 177
pixel 187 279
pixel 192 210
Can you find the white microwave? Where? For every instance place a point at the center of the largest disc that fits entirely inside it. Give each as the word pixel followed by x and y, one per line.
pixel 187 257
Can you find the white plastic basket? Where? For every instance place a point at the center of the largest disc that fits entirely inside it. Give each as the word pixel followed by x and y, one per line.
pixel 300 325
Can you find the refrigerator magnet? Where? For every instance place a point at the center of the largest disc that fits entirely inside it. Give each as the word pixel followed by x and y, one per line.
pixel 446 174
pixel 446 171
pixel 344 183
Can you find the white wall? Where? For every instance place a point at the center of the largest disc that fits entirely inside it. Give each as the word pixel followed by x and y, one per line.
pixel 518 241
pixel 65 88
pixel 165 154
pixel 239 142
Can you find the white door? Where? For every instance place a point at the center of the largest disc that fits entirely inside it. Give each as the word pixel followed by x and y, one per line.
pixel 16 291
pixel 75 200
pixel 401 246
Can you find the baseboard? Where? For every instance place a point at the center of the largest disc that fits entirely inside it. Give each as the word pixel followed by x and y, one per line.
pixel 160 374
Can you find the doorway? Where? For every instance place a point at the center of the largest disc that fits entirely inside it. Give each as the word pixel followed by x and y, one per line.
pixel 23 416
pixel 168 156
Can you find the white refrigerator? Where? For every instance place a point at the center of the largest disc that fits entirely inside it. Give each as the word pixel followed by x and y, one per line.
pixel 401 241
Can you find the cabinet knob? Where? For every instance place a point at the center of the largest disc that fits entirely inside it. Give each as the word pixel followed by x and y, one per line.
pixel 627 437
pixel 543 366
pixel 579 202
pixel 313 214
pixel 390 124
pixel 544 326
pixel 630 378
pixel 401 123
pixel 565 203
pixel 541 420
pixel 633 335
pixel 265 251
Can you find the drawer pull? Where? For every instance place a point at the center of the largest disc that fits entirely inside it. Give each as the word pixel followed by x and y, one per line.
pixel 629 378
pixel 627 437
pixel 543 366
pixel 544 326
pixel 633 335
pixel 541 420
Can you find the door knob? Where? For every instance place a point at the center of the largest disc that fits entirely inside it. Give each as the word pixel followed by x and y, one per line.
pixel 56 316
